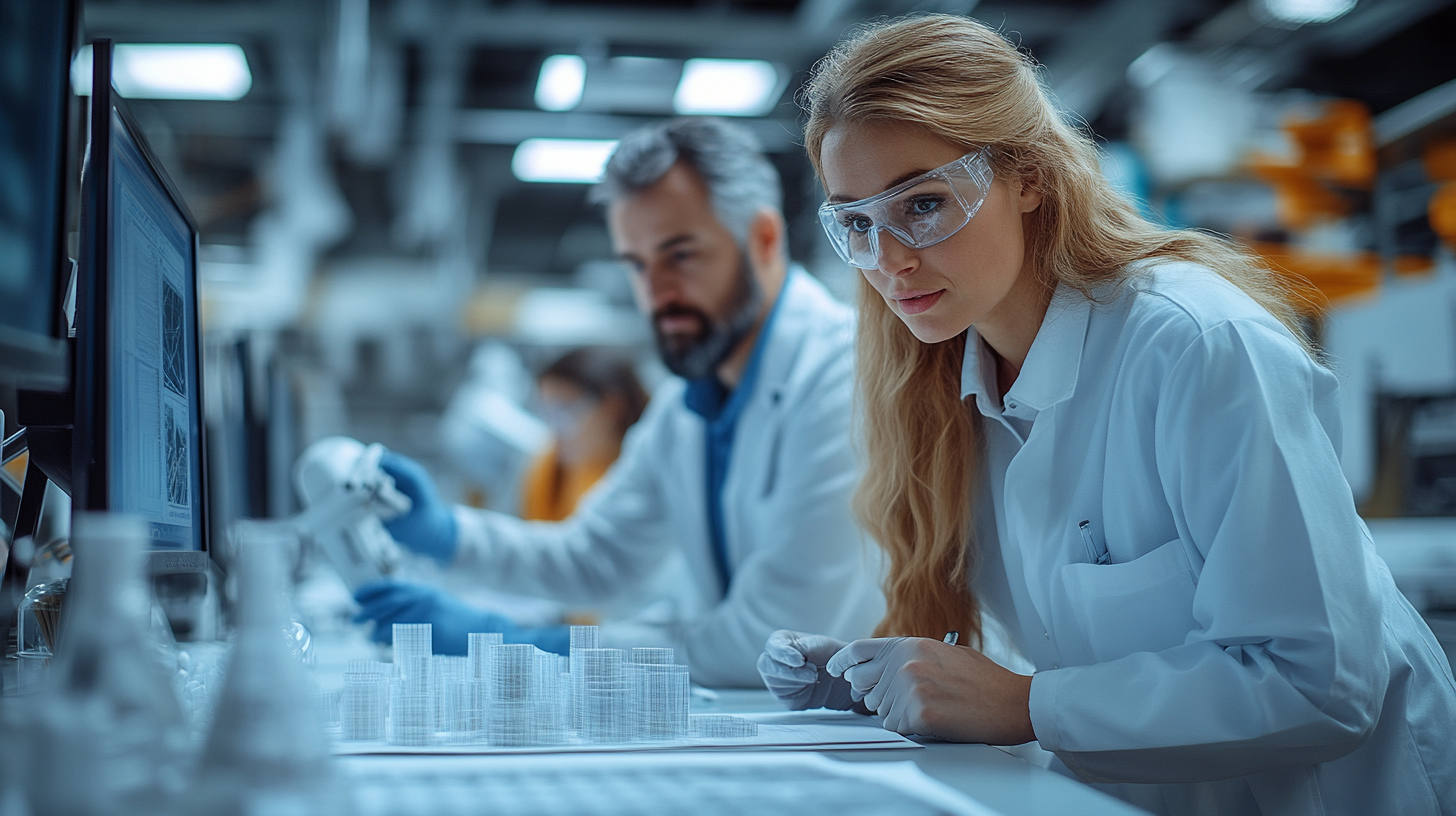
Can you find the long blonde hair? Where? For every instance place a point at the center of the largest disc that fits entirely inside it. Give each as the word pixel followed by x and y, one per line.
pixel 964 83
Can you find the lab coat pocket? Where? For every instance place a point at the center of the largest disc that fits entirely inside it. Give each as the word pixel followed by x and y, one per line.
pixel 1142 605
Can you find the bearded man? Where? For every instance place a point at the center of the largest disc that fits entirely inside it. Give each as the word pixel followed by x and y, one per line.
pixel 744 462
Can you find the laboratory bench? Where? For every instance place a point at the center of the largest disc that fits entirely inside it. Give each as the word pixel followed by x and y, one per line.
pixel 996 778
pixel 991 776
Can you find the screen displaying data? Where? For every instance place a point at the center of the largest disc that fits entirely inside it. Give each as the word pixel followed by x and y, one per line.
pixel 154 430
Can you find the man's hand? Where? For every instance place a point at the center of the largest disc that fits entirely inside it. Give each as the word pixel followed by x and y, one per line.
pixel 387 602
pixel 429 527
pixel 922 686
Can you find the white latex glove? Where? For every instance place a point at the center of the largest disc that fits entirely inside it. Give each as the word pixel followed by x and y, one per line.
pixel 793 667
pixel 923 686
pixel 863 664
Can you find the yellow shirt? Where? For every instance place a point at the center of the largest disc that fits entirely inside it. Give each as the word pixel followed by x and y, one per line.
pixel 551 488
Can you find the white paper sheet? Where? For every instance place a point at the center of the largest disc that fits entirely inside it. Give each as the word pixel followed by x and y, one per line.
pixel 808 736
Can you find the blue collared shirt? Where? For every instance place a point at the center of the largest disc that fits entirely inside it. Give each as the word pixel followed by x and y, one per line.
pixel 712 400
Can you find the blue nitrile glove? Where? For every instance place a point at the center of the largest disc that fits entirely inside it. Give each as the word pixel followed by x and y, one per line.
pixel 793 667
pixel 429 527
pixel 387 602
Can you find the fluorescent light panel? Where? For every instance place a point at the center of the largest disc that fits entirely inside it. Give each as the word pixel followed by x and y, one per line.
pixel 726 87
pixel 562 161
pixel 561 82
pixel 1301 12
pixel 171 71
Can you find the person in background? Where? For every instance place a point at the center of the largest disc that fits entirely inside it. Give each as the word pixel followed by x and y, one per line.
pixel 589 397
pixel 743 463
pixel 1114 437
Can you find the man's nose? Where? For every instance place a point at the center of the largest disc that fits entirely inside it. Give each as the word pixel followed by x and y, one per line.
pixel 895 259
pixel 664 286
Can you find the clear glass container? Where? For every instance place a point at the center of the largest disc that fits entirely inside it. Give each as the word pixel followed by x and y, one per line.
pixel 37 627
pixel 39 618
pixel 109 715
pixel 268 752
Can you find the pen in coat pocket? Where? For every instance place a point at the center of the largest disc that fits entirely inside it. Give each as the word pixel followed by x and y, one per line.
pixel 1098 555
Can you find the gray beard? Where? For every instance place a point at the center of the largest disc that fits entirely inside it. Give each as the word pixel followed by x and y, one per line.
pixel 698 358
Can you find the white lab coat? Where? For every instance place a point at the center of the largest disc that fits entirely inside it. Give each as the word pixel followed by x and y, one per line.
pixel 1244 650
pixel 797 559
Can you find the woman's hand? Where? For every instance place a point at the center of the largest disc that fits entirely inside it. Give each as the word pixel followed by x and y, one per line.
pixel 792 666
pixel 922 686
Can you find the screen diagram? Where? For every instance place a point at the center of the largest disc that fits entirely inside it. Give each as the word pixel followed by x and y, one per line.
pixel 174 353
pixel 176 456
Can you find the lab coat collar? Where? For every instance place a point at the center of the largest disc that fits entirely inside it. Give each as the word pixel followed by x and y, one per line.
pixel 1049 374
pixel 797 313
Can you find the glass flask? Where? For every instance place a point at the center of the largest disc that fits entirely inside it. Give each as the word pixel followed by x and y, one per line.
pixel 267 752
pixel 107 735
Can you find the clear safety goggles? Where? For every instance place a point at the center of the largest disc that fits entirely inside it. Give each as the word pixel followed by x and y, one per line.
pixel 921 212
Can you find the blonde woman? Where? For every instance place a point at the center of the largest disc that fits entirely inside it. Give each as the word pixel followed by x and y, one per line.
pixel 1111 437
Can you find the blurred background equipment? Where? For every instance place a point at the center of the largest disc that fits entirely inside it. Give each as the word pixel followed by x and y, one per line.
pixel 347 494
pixel 368 219
pixel 486 430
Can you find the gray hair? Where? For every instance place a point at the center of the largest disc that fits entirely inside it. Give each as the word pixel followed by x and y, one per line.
pixel 726 156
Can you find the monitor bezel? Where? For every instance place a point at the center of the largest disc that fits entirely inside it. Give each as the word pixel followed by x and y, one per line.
pixel 92 434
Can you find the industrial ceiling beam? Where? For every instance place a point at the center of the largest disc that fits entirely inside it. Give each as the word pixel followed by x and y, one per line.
pixel 175 21
pixel 1255 54
pixel 709 31
pixel 510 127
pixel 1088 64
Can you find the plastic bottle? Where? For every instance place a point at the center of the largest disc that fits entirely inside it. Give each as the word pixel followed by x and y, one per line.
pixel 267 752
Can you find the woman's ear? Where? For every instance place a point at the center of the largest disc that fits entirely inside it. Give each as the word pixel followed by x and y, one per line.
pixel 1029 197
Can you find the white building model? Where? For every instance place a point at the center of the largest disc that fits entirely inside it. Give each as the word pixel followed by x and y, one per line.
pixel 516 695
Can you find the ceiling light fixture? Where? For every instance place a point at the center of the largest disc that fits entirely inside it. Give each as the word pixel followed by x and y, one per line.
pixel 171 71
pixel 561 82
pixel 727 87
pixel 1300 12
pixel 562 161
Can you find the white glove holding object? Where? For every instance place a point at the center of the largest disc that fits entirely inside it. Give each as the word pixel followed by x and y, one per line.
pixel 793 666
pixel 934 689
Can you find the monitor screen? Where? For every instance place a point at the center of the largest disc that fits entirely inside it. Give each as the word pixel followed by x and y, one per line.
pixel 35 42
pixel 154 440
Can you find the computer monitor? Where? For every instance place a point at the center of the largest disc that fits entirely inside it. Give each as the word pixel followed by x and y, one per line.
pixel 138 440
pixel 35 43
